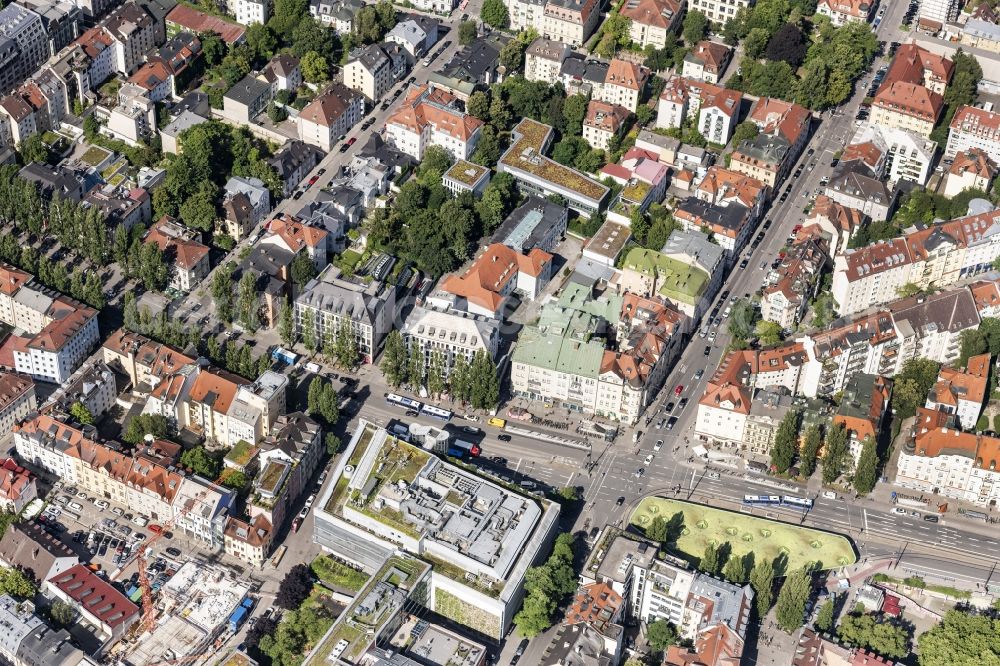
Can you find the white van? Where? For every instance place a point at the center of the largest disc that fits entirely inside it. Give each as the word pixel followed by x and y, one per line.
pixel 829 494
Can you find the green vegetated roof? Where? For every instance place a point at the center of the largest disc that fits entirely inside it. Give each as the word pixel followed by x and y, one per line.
pixel 679 281
pixel 466 172
pixel 241 454
pixel 526 154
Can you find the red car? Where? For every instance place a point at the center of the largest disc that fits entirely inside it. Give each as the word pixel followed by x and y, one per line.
pixel 295 525
pixel 679 390
pixel 155 529
pixel 312 181
pixel 350 142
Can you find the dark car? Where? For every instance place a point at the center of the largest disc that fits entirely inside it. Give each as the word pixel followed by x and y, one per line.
pixel 344 147
pixel 931 519
pixel 521 647
pixel 173 552
pixel 620 500
pixel 743 264
pixel 412 412
pixel 297 195
pixel 708 350
pixel 669 407
pixel 503 438
pixel 500 460
pixel 671 422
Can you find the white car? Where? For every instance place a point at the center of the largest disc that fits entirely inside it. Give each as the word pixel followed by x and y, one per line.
pixel 310 500
pixel 140 521
pixel 118 511
pixel 102 505
pixel 658 445
pixel 899 511
pixel 76 506
pixel 648 459
pixel 61 499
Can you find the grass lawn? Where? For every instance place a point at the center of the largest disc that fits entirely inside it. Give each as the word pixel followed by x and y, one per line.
pixel 335 573
pixel 766 538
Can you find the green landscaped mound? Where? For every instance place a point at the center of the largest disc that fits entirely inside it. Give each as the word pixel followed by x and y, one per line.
pixel 766 538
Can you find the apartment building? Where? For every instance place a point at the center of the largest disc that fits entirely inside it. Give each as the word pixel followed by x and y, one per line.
pixel 962 393
pixel 293 236
pixel 247 99
pixel 248 12
pixel 431 117
pixel 624 84
pixel 133 34
pixel 652 20
pixel 249 542
pixel 795 283
pixel 718 110
pixel 731 222
pixel 442 336
pixel 911 95
pixel 862 411
pixel 833 223
pixel 936 256
pixel 537 223
pixel 568 21
pixel 603 123
pixel 672 105
pixel 718 11
pixel 374 69
pixel 27 44
pixel 484 287
pixel 329 116
pixel 970 170
pixel 564 359
pixel 905 155
pixel 543 60
pixel 973 127
pixel 284 72
pixel 934 14
pixel 854 185
pixel 145 362
pixel 784 130
pixel 187 257
pixel 707 61
pixel 329 301
pixel 287 459
pixel 102 609
pixel 842 12
pixel 27 546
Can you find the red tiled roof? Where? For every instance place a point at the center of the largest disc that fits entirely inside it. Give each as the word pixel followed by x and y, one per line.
pixel 198 22
pixel 423 107
pixel 486 278
pixel 96 596
pixel 625 74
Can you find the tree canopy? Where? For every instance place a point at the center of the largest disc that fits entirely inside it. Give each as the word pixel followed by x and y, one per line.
pixel 960 639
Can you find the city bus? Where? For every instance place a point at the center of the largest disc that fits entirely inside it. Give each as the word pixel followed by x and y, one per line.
pixel 766 500
pixel 405 403
pixel 436 412
pixel 799 503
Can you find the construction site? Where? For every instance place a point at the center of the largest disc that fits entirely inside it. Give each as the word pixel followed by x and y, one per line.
pixel 192 613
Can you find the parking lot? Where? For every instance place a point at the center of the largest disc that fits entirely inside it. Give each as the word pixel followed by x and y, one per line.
pixel 108 537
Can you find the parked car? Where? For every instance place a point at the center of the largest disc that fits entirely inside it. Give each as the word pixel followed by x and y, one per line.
pixel 173 552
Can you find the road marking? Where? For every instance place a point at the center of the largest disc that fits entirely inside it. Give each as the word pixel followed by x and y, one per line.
pixel 864 512
pixel 518 465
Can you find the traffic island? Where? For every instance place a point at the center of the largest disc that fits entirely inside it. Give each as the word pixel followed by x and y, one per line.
pixel 767 539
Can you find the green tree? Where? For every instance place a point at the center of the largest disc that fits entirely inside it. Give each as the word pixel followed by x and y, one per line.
pixel 791 605
pixel 393 363
pixel 661 634
pixel 415 367
pixel 769 333
pixel 810 449
pixel 17 584
pixel 962 638
pixel 145 424
pixel 63 614
pixel 33 149
pixel 247 302
pixel 314 396
pixel 435 374
pixel 824 618
pixel 286 324
pixel 735 570
pixel 494 13
pixel 315 68
pixel 786 442
pixel 485 385
pixel 574 111
pixel 234 479
pixel 885 638
pixel 695 27
pixel 478 105
pixel 332 444
pixel 657 530
pixel 512 55
pixel 867 472
pixel 261 42
pixel 762 582
pixel 201 462
pixel 460 379
pixel 309 331
pixel 467 33
pixel 303 269
pixel 346 346
pixel 756 42
pixel 80 413
pixel 709 562
pixel 545 586
pixel 835 452
pixel 745 131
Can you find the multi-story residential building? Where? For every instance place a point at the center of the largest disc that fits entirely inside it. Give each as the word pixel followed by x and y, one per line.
pixel 722 186
pixel 936 256
pixel 842 12
pixel 940 460
pixel 368 526
pixel 536 174
pixel 28 547
pixel 293 162
pixel 603 123
pixel 287 460
pixel 484 287
pixel 543 60
pixel 441 336
pixel 374 69
pixel 643 179
pixel 28 640
pixel 283 72
pixel 796 283
pixel 623 84
pixel 718 11
pixel 784 130
pixel 257 194
pixel 57 332
pixel 92 386
pixel 537 223
pixel 583 77
pixel 247 99
pixel 973 127
pixel 24 28
pixel 430 117
pixel 907 156
pixel 731 222
pixel 652 20
pixel 563 358
pixel 911 95
pixel 856 186
pixel 144 362
pixel 862 411
pixel 970 170
pixel 17 486
pixel 328 302
pixel 186 18
pixel 329 116
pixel 248 12
pixel 17 400
pixel 473 67
pixel 337 14
pixel 17 120
pixel 962 393
pixel 568 21
pixel 718 110
pixel 248 542
pixel 672 106
pixel 934 14
pixel 681 277
pixel 980 33
pixel 833 223
pixel 187 257
pixel 60 19
pixel 706 62
pixel 292 236
pixel 133 34
pixel 416 34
